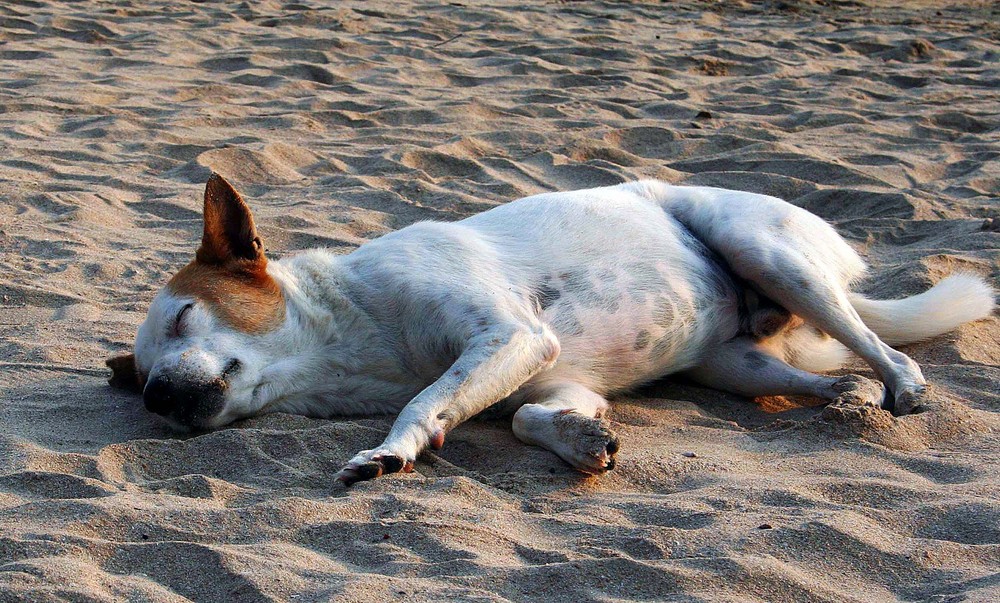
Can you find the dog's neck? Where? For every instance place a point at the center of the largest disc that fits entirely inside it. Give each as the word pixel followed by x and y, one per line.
pixel 335 348
pixel 315 289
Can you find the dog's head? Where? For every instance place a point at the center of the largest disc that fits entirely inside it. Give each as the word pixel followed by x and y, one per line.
pixel 199 357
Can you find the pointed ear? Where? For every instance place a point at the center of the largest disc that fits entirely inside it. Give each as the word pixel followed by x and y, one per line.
pixel 124 374
pixel 230 233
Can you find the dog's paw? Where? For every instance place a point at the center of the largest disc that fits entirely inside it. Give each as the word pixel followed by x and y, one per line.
pixel 858 403
pixel 369 464
pixel 588 444
pixel 397 453
pixel 855 390
pixel 911 401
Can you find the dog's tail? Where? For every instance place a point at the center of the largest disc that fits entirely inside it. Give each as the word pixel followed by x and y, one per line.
pixel 955 300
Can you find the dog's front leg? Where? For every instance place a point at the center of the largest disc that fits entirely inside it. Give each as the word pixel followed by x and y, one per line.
pixel 493 366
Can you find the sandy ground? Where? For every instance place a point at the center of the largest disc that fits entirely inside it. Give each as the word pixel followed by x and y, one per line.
pixel 341 122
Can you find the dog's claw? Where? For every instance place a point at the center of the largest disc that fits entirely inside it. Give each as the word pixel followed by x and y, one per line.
pixel 613 446
pixel 912 401
pixel 370 470
pixel 437 441
pixel 377 466
pixel 391 463
pixel 586 443
pixel 347 476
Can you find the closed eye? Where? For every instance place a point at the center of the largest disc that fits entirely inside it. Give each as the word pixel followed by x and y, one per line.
pixel 179 321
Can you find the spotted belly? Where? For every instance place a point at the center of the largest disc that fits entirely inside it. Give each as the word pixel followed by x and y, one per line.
pixel 623 325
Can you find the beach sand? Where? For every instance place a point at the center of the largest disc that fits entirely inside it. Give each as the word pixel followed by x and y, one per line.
pixel 343 121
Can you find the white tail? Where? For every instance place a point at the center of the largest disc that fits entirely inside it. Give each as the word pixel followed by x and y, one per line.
pixel 956 299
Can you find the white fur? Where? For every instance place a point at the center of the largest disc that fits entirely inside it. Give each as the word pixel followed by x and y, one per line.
pixel 954 300
pixel 590 291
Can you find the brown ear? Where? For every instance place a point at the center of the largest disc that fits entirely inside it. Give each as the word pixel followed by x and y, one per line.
pixel 124 375
pixel 230 234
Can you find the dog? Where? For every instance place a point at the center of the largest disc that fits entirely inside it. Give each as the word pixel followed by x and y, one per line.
pixel 544 306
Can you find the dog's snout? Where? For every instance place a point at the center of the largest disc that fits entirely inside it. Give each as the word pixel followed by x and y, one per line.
pixel 159 395
pixel 165 396
pixel 186 402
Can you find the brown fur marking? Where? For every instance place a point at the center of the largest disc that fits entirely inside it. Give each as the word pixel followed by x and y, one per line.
pixel 124 374
pixel 230 232
pixel 229 272
pixel 247 300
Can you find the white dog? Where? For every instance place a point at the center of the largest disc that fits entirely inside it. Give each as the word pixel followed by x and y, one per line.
pixel 548 303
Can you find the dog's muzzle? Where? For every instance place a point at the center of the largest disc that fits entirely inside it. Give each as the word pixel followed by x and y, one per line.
pixel 188 403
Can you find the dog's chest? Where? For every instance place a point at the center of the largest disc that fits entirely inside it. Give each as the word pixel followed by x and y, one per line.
pixel 365 383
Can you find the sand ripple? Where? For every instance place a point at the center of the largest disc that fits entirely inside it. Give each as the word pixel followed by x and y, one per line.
pixel 343 121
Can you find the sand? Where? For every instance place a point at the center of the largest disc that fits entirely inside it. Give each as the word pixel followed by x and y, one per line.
pixel 344 121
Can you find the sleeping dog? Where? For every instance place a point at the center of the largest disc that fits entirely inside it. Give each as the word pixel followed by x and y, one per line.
pixel 547 305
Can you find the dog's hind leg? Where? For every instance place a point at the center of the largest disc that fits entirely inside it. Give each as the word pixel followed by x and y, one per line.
pixel 809 290
pixel 742 366
pixel 798 260
pixel 567 418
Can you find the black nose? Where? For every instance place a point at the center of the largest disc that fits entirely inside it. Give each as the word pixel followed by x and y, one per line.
pixel 189 402
pixel 164 396
pixel 159 395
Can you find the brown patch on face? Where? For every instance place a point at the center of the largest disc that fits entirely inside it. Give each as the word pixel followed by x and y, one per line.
pixel 247 300
pixel 229 272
